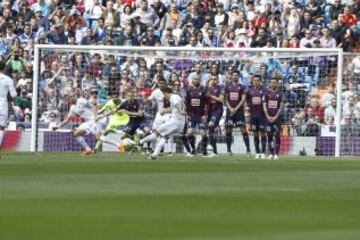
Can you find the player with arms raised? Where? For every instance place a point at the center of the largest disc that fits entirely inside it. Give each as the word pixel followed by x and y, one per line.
pixel 83 108
pixel 234 99
pixel 254 97
pixel 215 94
pixel 272 105
pixel 173 126
pixel 6 88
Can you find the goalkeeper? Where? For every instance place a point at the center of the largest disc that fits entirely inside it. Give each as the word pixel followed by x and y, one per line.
pixel 119 119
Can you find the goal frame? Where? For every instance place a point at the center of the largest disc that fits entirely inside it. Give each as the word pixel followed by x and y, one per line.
pixel 39 47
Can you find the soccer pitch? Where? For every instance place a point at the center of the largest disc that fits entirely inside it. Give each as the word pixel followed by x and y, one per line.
pixel 113 196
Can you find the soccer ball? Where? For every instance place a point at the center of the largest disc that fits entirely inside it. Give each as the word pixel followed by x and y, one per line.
pixel 127 143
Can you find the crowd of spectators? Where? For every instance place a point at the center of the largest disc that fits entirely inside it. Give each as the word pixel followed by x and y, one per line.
pixel 308 83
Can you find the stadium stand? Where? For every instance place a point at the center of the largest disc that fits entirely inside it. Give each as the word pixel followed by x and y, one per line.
pixel 223 23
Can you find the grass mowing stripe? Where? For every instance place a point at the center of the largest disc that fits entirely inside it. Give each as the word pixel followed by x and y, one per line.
pixel 67 196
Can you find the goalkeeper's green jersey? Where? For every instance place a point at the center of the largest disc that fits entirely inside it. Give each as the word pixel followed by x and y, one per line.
pixel 111 105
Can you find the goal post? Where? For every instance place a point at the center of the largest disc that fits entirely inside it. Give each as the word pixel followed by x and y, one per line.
pixel 316 78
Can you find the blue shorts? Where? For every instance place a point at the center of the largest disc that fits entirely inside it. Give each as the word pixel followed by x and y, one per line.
pixel 238 120
pixel 274 127
pixel 215 118
pixel 258 124
pixel 192 123
pixel 132 126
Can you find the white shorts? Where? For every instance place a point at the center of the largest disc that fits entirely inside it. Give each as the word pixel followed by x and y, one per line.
pixel 171 127
pixel 160 120
pixel 89 127
pixel 4 119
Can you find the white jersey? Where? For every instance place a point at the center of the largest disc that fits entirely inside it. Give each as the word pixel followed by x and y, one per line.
pixel 176 103
pixel 6 86
pixel 83 109
pixel 158 96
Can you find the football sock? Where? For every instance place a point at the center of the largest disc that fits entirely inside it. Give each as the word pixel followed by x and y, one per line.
pixel 212 140
pixel 192 142
pixel 228 141
pixel 160 145
pixel 148 138
pixel 82 142
pixel 186 144
pixel 1 137
pixel 204 143
pixel 257 143
pixel 170 143
pixel 277 144
pixel 270 144
pixel 246 141
pixel 263 144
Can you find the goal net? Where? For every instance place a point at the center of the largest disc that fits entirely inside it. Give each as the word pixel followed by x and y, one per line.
pixel 309 79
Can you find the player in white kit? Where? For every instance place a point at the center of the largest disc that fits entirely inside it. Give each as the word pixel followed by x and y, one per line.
pixel 162 104
pixel 6 87
pixel 83 108
pixel 173 126
pixel 158 96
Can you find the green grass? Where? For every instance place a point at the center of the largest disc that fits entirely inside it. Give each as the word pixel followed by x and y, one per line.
pixel 112 196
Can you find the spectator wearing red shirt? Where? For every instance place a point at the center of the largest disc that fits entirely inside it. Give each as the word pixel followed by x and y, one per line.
pixel 75 20
pixel 349 18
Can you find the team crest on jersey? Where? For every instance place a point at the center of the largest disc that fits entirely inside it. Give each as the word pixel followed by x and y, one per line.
pixel 273 104
pixel 234 96
pixel 195 102
pixel 256 100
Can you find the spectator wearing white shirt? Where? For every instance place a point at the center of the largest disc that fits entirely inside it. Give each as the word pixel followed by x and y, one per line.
pixel 327 41
pixel 147 15
pixel 354 69
pixel 204 76
pixel 307 40
pixel 351 91
pixel 221 17
pixel 349 107
pixel 330 111
pixel 327 98
pixel 126 16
